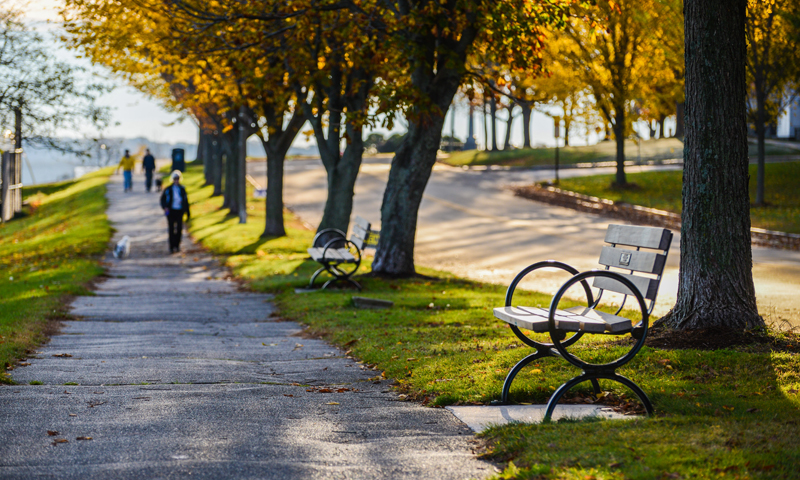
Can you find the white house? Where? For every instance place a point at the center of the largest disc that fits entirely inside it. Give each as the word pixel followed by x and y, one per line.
pixel 788 125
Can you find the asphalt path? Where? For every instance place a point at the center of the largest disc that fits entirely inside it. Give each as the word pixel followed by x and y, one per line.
pixel 471 225
pixel 172 372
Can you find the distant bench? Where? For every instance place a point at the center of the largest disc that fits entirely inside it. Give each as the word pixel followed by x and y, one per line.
pixel 339 256
pixel 643 270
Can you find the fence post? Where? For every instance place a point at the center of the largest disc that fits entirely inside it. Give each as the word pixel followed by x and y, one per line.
pixel 4 181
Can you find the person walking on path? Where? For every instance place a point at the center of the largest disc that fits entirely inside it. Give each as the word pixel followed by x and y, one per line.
pixel 149 165
pixel 175 203
pixel 126 164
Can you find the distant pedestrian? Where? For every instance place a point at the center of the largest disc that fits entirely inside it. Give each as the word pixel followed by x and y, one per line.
pixel 126 164
pixel 175 203
pixel 149 165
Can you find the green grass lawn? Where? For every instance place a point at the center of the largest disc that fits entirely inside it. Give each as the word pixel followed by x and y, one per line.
pixel 727 412
pixel 662 190
pixel 47 256
pixel 658 149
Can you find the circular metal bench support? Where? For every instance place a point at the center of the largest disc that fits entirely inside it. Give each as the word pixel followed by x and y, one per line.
pixel 593 377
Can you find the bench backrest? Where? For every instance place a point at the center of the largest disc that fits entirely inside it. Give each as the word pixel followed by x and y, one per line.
pixel 625 253
pixel 363 236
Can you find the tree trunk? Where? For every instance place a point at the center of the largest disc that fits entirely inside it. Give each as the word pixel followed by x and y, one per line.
pixel 485 128
pixel 17 128
pixel 661 127
pixel 493 106
pixel 470 143
pixel 715 286
pixel 509 124
pixel 242 132
pixel 680 130
pixel 619 137
pixel 566 131
pixel 527 111
pixel 215 153
pixel 276 146
pixel 411 169
pixel 761 127
pixel 231 149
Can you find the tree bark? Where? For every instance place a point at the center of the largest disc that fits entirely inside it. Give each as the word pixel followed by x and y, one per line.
pixel 680 130
pixel 231 152
pixel 470 143
pixel 493 112
pixel 527 111
pixel 715 286
pixel 485 128
pixel 17 127
pixel 276 145
pixel 215 154
pixel 619 136
pixel 567 123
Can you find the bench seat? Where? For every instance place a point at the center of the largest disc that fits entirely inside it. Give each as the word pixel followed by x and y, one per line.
pixel 333 255
pixel 575 319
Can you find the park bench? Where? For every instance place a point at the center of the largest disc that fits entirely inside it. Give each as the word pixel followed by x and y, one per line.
pixel 339 256
pixel 639 252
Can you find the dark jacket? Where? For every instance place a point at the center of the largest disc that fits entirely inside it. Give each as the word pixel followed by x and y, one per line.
pixel 149 162
pixel 166 199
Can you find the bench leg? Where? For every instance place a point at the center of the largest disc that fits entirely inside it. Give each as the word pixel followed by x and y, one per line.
pixel 551 404
pixel 513 373
pixel 314 277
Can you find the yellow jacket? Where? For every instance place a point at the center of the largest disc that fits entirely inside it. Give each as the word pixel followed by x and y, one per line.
pixel 126 164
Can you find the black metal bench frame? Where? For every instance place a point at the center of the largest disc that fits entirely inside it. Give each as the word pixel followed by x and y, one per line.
pixel 335 252
pixel 560 343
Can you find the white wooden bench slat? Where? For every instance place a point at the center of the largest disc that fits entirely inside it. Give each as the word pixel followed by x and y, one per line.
pixel 647 286
pixel 333 254
pixel 646 237
pixel 360 231
pixel 572 320
pixel 359 241
pixel 638 261
pixel 362 223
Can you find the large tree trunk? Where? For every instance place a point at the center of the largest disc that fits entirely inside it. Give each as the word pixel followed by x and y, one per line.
pixel 619 137
pixel 527 111
pixel 485 127
pixel 17 127
pixel 680 116
pixel 341 185
pixel 567 124
pixel 715 286
pixel 411 169
pixel 761 133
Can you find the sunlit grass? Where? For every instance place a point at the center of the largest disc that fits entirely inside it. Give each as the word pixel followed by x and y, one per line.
pixel 731 409
pixel 662 190
pixel 47 256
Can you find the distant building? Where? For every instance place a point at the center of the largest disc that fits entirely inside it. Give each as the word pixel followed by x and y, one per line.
pixel 788 125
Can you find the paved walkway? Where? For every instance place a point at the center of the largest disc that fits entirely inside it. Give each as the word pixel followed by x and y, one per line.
pixel 470 225
pixel 173 372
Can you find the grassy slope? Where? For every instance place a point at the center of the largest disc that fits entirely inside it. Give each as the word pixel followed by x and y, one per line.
pixel 443 346
pixel 47 256
pixel 602 152
pixel 662 190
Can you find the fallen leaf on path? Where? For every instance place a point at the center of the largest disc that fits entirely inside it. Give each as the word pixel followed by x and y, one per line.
pixel 287 395
pixel 98 393
pixel 52 433
pixel 60 440
pixel 67 393
pixel 73 415
pixel 332 403
pixel 24 364
pixel 62 355
pixel 83 438
pixel 94 404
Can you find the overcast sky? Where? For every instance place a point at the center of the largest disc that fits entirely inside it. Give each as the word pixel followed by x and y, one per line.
pixel 139 116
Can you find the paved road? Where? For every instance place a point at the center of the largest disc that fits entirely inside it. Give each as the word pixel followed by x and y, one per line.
pixel 175 373
pixel 469 224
